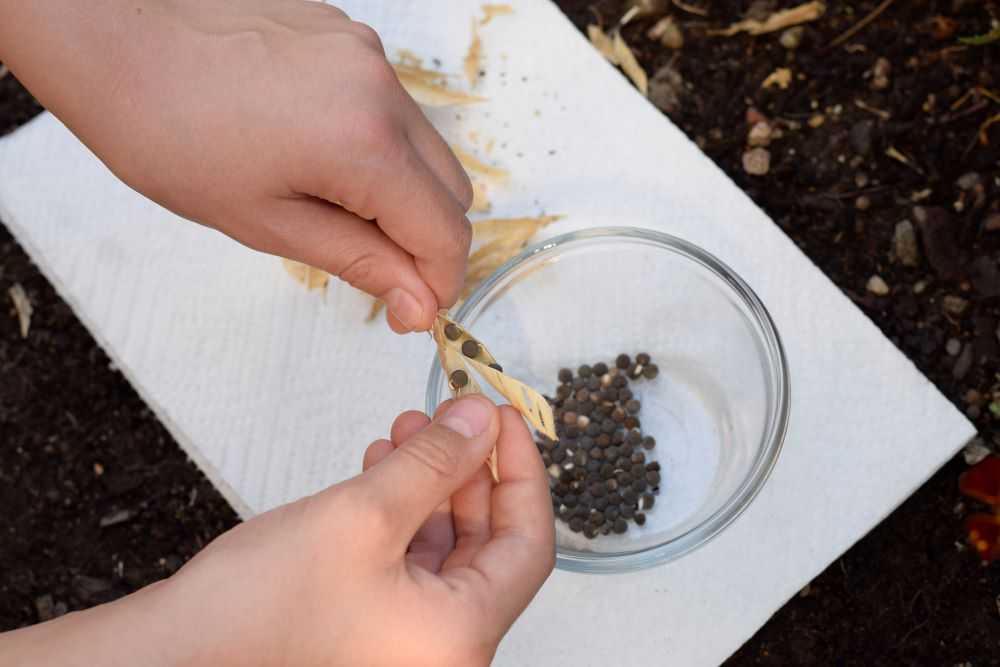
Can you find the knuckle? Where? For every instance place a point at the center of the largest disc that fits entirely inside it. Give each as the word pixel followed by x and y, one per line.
pixel 435 448
pixel 360 270
pixel 367 35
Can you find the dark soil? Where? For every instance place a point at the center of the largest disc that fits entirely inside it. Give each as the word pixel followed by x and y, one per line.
pixel 79 447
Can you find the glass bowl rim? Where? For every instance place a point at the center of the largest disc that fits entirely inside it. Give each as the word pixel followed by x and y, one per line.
pixel 777 365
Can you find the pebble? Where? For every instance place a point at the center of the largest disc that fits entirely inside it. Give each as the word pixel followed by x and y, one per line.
pixel 863 203
pixel 792 37
pixel 666 87
pixel 953 347
pixel 757 161
pixel 760 134
pixel 877 286
pixel 861 136
pixel 975 452
pixel 964 363
pixel 880 74
pixel 938 235
pixel 904 244
pixel 954 305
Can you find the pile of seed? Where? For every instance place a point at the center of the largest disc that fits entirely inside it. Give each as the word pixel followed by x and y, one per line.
pixel 598 473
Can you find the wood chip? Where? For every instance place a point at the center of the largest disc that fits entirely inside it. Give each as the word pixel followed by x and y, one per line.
pixel 781 77
pixel 309 276
pixel 532 405
pixel 22 305
pixel 472 57
pixel 785 18
pixel 424 86
pixel 492 11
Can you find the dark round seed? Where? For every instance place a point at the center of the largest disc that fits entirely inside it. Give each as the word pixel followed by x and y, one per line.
pixel 593 383
pixel 626 450
pixel 618 415
pixel 624 479
pixel 559 454
pixel 619 381
pixel 650 371
pixel 586 498
pixel 584 371
pixel 452 332
pixel 581 395
pixel 629 495
pixel 653 478
pixel 625 394
pixel 593 429
pixel 458 379
pixel 497 367
pixel 593 466
pixel 606 528
pixel 580 458
pixel 596 453
pixel 586 442
pixel 600 368
pixel 648 442
pixel 603 440
pixel 608 426
pixel 605 408
pixel 581 511
pixel 612 484
pixel 586 408
pixel 648 500
pixel 546 459
pixel 611 453
pixel 600 503
pixel 569 404
pixel 580 473
pixel 470 348
pixel 570 500
pixel 640 519
pixel 563 392
pixel 598 490
pixel 609 394
pixel 653 465
pixel 576 524
pixel 642 358
pixel 590 532
pixel 638 470
pixel 573 431
pixel 628 511
pixel 560 489
pixel 565 375
pixel 611 513
pixel 640 485
pixel 635 371
pixel 607 471
pixel 622 361
pixel 620 526
pixel 621 463
pixel 579 383
pixel 638 457
pixel 632 407
pixel 569 417
pixel 631 422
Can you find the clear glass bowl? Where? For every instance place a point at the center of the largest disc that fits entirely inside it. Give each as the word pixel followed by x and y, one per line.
pixel 718 408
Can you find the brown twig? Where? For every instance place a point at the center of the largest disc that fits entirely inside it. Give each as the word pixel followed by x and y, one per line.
pixel 864 106
pixel 860 25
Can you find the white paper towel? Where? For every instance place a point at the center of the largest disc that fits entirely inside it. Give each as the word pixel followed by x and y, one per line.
pixel 258 379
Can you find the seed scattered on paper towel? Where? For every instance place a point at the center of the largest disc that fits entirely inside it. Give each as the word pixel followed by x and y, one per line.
pixel 309 276
pixel 459 354
pixel 22 306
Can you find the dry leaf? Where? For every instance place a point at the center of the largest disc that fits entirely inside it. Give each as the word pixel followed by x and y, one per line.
pixel 22 305
pixel 474 166
pixel 520 227
pixel 786 18
pixel 629 65
pixel 602 43
pixel 311 277
pixel 424 86
pixel 492 11
pixel 471 62
pixel 523 398
pixel 780 77
pixel 480 200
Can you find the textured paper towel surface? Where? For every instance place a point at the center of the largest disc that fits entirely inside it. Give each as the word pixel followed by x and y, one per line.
pixel 257 378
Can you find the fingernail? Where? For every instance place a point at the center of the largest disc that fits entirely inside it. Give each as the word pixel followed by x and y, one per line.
pixel 404 307
pixel 468 417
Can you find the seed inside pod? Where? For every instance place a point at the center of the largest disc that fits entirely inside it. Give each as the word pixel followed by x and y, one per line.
pixel 470 348
pixel 497 367
pixel 459 379
pixel 452 332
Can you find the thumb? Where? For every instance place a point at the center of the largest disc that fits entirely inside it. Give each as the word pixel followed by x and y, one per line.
pixel 430 466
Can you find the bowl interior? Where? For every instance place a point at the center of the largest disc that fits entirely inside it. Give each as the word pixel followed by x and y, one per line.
pixel 712 409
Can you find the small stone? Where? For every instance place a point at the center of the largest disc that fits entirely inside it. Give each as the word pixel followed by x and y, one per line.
pixel 975 452
pixel 880 74
pixel 861 136
pixel 757 161
pixel 861 179
pixel 863 203
pixel 877 286
pixel 938 236
pixel 666 89
pixel 759 135
pixel 954 305
pixel 964 363
pixel 919 286
pixel 953 347
pixel 792 37
pixel 904 244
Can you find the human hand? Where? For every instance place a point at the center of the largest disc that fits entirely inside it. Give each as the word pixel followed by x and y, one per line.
pixel 277 122
pixel 420 560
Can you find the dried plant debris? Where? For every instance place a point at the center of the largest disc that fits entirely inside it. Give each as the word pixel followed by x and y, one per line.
pixel 617 52
pixel 503 239
pixel 492 11
pixel 427 87
pixel 22 306
pixel 471 63
pixel 460 352
pixel 982 483
pixel 781 77
pixel 309 276
pixel 780 20
pixel 982 40
pixel 475 167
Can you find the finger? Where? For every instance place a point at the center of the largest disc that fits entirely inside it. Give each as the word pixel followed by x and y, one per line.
pixel 521 552
pixel 407 425
pixel 376 451
pixel 435 539
pixel 425 470
pixel 436 153
pixel 326 236
pixel 440 410
pixel 470 511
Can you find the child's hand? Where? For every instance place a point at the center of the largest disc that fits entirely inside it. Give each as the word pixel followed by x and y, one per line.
pixel 420 560
pixel 277 122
